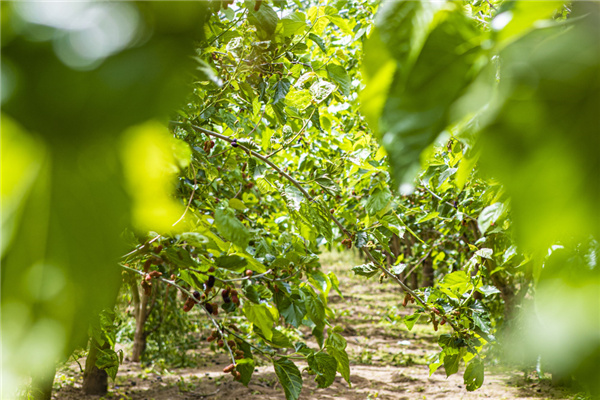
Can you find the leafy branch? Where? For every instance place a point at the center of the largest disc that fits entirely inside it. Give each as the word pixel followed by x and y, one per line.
pixel 311 199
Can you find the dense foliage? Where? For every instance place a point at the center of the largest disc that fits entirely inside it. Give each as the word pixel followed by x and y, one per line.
pixel 270 159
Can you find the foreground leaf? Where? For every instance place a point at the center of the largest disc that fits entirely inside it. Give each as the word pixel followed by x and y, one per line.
pixel 473 375
pixel 325 366
pixel 289 376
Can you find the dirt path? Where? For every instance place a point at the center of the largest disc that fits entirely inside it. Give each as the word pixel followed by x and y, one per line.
pixel 387 361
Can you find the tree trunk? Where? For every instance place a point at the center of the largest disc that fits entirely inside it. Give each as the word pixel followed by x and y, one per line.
pixel 139 339
pixel 414 280
pixel 395 246
pixel 427 273
pixel 95 380
pixel 42 385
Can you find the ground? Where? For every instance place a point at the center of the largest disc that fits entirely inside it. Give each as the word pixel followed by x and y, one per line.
pixel 386 360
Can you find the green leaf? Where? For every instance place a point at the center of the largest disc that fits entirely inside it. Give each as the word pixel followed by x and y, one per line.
pixel 314 306
pixel 317 332
pixel 319 218
pixel 485 253
pixel 552 119
pixel 282 87
pixel 293 23
pixel 367 270
pixel 278 340
pixel 335 283
pixel 490 215
pixel 237 204
pixel 318 41
pixel 378 70
pixel 464 171
pixel 394 224
pixel 233 263
pixel 294 197
pixel 256 293
pixel 338 74
pixel 398 269
pixel 321 90
pixel 456 283
pixel 245 367
pixel 260 316
pixel 361 239
pixel 429 216
pixel 320 281
pixel 378 201
pixel 249 198
pixel 481 324
pixel 488 290
pixel 325 367
pixel 451 363
pixel 265 19
pixel 434 69
pixel 438 362
pixel 341 23
pixel 299 99
pixel 231 228
pixel 336 347
pixel 292 310
pixel 326 182
pixel 108 360
pixel 474 374
pixel 410 320
pixel 194 239
pixel 289 376
pixel 516 18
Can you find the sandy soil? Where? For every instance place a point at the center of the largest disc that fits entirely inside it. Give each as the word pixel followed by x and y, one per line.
pixel 387 362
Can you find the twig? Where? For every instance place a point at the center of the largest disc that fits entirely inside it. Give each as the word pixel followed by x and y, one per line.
pixel 234 22
pixel 445 202
pixel 283 146
pixel 419 262
pixel 221 153
pixel 258 122
pixel 234 279
pixel 189 201
pixel 464 302
pixel 302 38
pixel 77 361
pixel 260 351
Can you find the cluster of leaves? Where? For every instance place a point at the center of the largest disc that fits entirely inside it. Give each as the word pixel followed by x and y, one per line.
pixel 274 136
pixel 277 149
pixel 487 74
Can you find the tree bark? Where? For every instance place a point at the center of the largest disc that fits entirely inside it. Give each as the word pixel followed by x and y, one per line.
pixel 414 280
pixel 139 339
pixel 427 273
pixel 95 380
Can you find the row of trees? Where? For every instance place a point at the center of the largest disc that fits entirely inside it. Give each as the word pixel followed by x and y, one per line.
pixel 271 158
